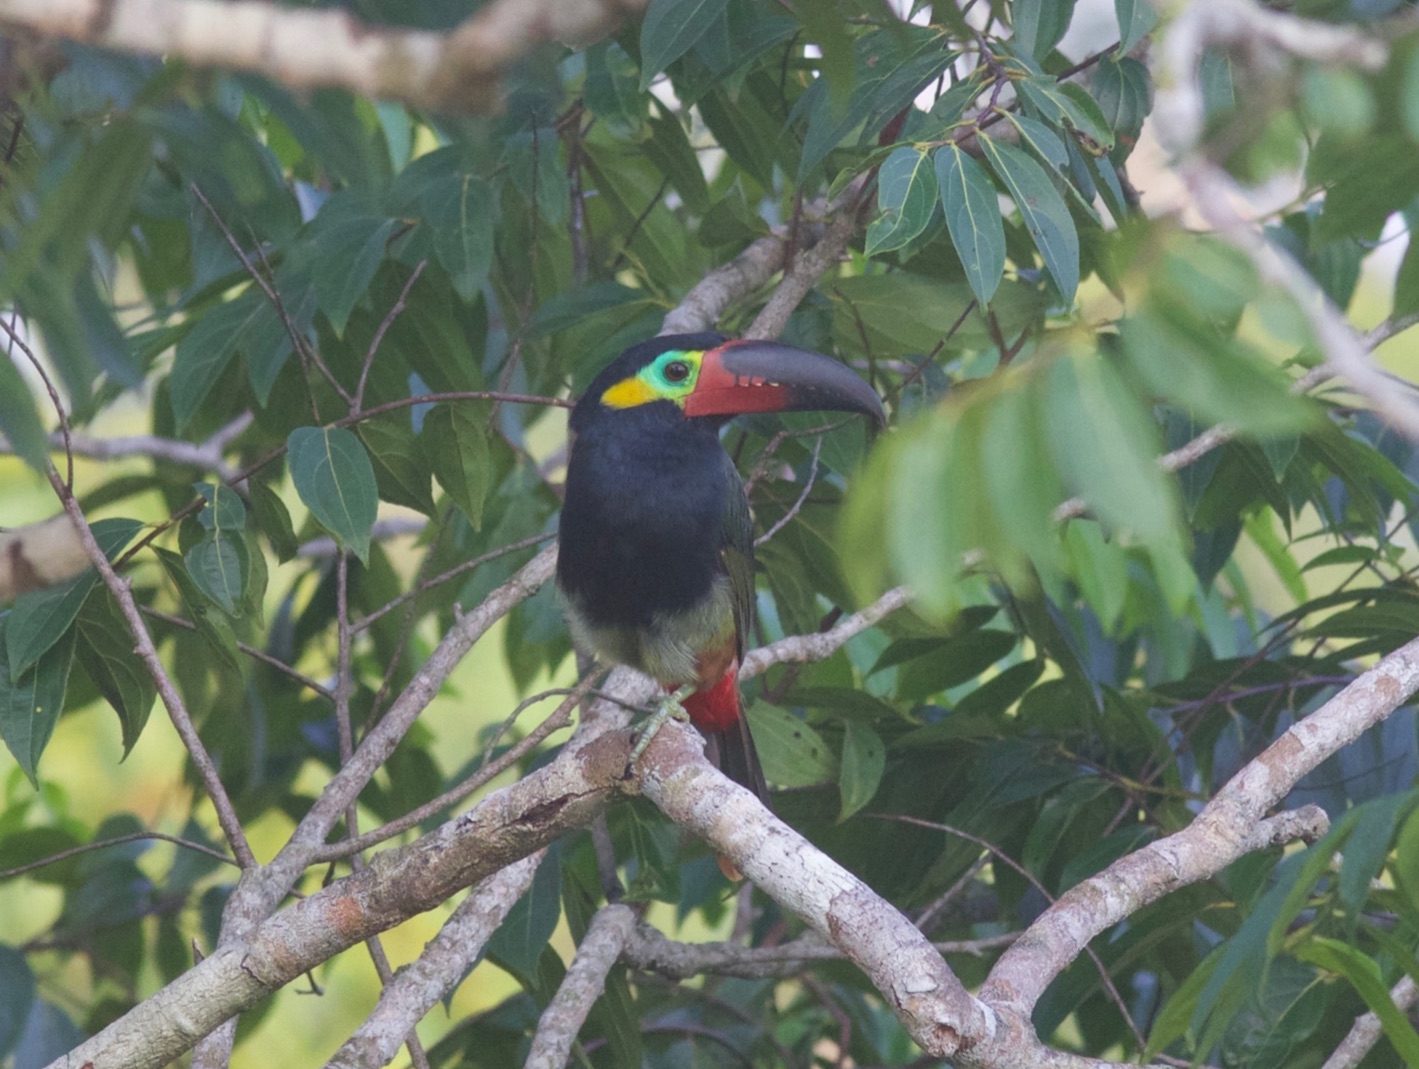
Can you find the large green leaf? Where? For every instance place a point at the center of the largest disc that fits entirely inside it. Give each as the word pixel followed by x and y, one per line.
pixel 1105 445
pixel 671 28
pixel 792 752
pixel 1043 209
pixel 30 701
pixel 19 422
pixel 972 218
pixel 860 770
pixel 105 653
pixel 332 473
pixel 906 198
pixel 455 444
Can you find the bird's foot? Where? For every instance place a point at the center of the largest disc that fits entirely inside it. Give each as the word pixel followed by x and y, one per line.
pixel 670 707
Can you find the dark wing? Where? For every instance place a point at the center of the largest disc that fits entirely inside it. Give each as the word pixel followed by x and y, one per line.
pixel 737 555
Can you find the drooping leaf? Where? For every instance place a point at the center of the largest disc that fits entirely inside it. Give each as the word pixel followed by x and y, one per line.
pixel 30 701
pixel 455 444
pixel 1043 210
pixel 19 422
pixel 860 770
pixel 670 29
pixel 973 219
pixel 105 653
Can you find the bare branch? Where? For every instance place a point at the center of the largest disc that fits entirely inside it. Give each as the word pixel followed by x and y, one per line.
pixel 148 653
pixel 649 949
pixel 816 647
pixel 417 987
pixel 936 1009
pixel 1229 826
pixel 1367 1029
pixel 313 48
pixel 1244 27
pixel 505 827
pixel 583 984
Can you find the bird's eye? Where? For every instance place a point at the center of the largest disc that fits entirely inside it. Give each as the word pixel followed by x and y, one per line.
pixel 677 371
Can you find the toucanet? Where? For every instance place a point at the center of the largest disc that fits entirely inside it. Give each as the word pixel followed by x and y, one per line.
pixel 656 550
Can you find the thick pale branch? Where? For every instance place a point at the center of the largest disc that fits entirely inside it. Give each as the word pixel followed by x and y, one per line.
pixel 583 984
pixel 419 986
pixel 505 827
pixel 259 893
pixel 1229 826
pixel 327 47
pixel 936 1009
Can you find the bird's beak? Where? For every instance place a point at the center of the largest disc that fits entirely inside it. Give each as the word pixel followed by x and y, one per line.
pixel 745 376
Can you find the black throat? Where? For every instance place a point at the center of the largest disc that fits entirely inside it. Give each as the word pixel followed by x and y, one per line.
pixel 643 523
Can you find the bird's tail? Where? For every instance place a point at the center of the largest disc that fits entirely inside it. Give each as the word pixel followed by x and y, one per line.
pixel 718 712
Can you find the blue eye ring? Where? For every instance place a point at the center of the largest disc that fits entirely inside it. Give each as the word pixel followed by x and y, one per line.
pixel 676 371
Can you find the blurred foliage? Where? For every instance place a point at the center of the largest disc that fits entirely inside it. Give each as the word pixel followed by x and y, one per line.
pixel 203 245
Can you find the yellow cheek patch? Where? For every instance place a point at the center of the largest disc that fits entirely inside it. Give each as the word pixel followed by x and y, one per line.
pixel 628 393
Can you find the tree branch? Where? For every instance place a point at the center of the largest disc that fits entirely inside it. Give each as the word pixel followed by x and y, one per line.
pixel 1229 826
pixel 307 49
pixel 419 986
pixel 583 984
pixel 1367 1029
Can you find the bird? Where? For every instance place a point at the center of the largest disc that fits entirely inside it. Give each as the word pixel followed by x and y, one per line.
pixel 655 565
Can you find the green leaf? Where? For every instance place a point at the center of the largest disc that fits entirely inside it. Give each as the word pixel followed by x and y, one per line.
pixel 906 197
pixel 349 240
pixel 860 771
pixel 218 565
pixel 1364 975
pixel 17 993
pixel 1040 140
pixel 332 473
pixel 248 323
pixel 460 210
pixel 105 653
pixel 224 512
pixel 456 446
pixel 1068 105
pixel 1135 19
pixel 524 933
pixel 400 469
pixel 19 422
pixel 1038 25
pixel 671 28
pixel 211 625
pixel 612 93
pixel 38 619
pixel 274 519
pixel 886 77
pixel 973 219
pixel 1104 444
pixel 30 702
pixel 1043 210
pixel 1213 377
pixel 793 754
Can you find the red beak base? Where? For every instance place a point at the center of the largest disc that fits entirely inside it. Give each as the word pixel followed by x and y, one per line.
pixel 745 376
